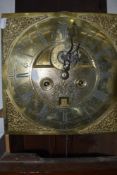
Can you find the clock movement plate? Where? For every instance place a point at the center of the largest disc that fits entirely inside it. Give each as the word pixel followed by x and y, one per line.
pixel 59 73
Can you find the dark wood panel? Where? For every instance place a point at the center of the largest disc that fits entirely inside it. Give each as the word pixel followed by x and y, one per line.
pixel 97 144
pixel 16 143
pixel 1 113
pixel 61 5
pixel 2 145
pixel 73 146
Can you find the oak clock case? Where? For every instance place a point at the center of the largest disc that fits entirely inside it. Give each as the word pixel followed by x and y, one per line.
pixel 59 73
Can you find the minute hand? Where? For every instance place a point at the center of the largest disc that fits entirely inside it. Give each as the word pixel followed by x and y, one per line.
pixel 72 55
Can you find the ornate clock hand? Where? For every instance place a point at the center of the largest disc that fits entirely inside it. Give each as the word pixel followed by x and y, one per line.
pixel 72 55
pixel 73 51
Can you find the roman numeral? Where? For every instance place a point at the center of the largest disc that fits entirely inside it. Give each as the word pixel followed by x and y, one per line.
pixel 11 75
pixel 104 75
pixel 100 95
pixel 26 96
pixel 42 39
pixel 22 75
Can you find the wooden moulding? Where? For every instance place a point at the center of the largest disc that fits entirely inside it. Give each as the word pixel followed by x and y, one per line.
pixel 33 163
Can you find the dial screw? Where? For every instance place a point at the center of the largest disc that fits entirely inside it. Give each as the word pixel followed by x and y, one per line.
pixel 81 83
pixel 65 75
pixel 46 84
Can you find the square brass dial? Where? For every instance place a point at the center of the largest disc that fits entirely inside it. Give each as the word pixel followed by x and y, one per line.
pixel 59 73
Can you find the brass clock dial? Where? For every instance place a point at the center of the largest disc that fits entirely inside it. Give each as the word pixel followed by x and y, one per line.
pixel 61 73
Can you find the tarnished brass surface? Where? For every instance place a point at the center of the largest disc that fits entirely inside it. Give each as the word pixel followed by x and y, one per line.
pixel 41 96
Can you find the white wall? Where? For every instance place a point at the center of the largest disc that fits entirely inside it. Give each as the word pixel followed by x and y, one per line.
pixel 112 6
pixel 8 6
pixel 1 120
